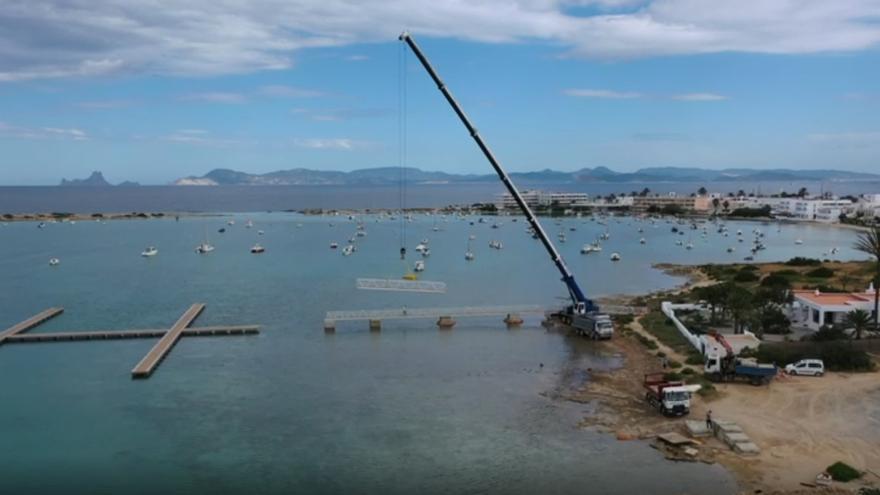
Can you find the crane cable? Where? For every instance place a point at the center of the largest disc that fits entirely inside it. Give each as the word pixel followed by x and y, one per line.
pixel 401 143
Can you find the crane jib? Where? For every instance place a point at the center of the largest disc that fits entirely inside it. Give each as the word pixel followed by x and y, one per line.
pixel 581 302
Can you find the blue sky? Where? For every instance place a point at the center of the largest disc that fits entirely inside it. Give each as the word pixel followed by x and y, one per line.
pixel 550 84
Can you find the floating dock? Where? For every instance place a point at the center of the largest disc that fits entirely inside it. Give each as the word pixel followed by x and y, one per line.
pixel 445 316
pixel 157 353
pixel 31 322
pixel 167 336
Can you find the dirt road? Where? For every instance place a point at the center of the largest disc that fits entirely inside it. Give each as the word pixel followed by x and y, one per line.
pixel 803 425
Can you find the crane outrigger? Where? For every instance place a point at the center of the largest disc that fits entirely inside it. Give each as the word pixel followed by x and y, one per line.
pixel 583 314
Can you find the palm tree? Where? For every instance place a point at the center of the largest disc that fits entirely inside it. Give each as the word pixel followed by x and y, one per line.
pixel 869 243
pixel 859 319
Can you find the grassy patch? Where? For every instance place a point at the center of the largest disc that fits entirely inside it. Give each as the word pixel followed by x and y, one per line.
pixel 843 472
pixel 659 326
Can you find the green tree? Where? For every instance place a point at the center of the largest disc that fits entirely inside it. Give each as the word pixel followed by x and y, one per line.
pixel 859 319
pixel 740 304
pixel 702 191
pixel 869 243
pixel 715 296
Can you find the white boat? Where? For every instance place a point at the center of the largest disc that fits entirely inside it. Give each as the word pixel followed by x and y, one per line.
pixel 689 245
pixel 615 257
pixel 469 255
pixel 348 250
pixel 472 237
pixel 257 249
pixel 591 248
pixel 260 232
pixel 54 261
pixel 798 241
pixel 731 249
pixel 230 223
pixel 605 236
pixel 249 224
pixel 333 245
pixel 421 247
pixel 426 253
pixel 361 233
pixel 204 248
pixel 642 241
pixel 419 266
pixel 149 252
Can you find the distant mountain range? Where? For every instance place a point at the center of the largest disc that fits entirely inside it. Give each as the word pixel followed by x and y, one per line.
pixel 392 175
pixel 95 180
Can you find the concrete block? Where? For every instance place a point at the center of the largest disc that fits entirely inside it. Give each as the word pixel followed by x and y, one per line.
pixel 696 428
pixel 746 448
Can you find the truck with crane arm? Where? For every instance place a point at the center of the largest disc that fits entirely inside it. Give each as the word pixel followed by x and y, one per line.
pixel 727 366
pixel 583 315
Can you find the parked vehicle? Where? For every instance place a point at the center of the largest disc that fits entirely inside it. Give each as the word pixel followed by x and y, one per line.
pixel 727 367
pixel 671 398
pixel 807 367
pixel 593 324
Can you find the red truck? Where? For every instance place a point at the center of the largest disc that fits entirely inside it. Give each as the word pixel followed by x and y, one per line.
pixel 671 398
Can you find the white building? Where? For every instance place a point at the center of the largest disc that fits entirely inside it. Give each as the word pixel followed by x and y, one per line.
pixel 536 198
pixel 813 309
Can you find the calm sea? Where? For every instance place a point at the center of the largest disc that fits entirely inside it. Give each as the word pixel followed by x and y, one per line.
pixel 279 198
pixel 411 409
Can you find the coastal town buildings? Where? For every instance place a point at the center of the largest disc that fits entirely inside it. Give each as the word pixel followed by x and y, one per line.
pixel 537 198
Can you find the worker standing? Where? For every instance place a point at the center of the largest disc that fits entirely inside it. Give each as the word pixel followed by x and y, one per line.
pixel 709 420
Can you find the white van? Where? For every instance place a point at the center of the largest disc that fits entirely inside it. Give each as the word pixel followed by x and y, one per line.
pixel 808 367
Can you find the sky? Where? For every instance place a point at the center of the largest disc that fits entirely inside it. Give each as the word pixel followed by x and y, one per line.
pixel 152 91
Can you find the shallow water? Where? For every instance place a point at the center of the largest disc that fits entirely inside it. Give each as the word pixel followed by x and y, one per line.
pixel 296 411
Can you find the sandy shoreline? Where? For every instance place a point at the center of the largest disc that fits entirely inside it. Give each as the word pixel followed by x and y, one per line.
pixel 801 424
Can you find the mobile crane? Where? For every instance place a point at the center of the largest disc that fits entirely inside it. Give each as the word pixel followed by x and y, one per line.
pixel 583 315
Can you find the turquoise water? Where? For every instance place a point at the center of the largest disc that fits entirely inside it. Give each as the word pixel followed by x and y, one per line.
pixel 296 411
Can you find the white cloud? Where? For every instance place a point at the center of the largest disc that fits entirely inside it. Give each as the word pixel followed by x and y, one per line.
pixel 64 38
pixel 199 137
pixel 289 92
pixel 699 97
pixel 330 143
pixel 20 132
pixel 216 97
pixel 357 58
pixel 602 93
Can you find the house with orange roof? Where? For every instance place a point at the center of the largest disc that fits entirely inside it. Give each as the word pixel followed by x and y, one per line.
pixel 813 309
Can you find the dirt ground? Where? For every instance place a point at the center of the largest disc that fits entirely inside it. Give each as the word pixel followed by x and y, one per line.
pixel 801 424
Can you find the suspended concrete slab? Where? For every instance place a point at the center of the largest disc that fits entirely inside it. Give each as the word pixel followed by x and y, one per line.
pixel 400 285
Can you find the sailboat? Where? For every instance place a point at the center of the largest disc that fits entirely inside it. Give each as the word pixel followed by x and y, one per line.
pixel 469 255
pixel 205 247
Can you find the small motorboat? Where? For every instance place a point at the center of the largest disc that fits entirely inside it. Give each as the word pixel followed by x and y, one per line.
pixel 731 249
pixel 472 237
pixel 149 252
pixel 615 257
pixel 333 245
pixel 248 224
pixel 222 230
pixel 348 250
pixel 469 256
pixel 54 262
pixel 257 249
pixel 642 241
pixel 230 223
pixel 419 266
pixel 798 241
pixel 361 233
pixel 260 232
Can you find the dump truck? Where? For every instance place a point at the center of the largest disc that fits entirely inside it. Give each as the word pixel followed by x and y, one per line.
pixel 670 397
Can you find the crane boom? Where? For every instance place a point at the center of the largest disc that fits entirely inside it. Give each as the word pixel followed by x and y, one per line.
pixel 581 303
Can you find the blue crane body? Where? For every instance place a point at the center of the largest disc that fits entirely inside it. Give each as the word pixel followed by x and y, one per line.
pixel 583 314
